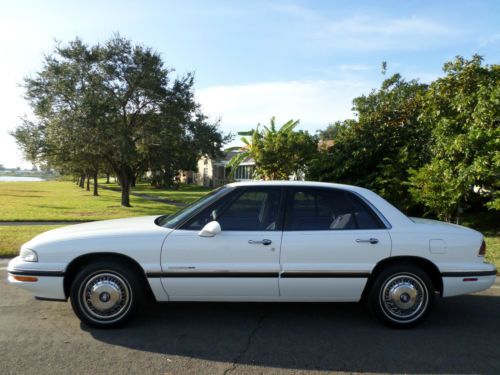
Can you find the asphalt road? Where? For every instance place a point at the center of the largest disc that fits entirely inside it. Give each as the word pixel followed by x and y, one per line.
pixel 461 336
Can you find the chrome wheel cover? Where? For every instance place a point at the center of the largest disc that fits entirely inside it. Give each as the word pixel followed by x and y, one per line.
pixel 105 296
pixel 404 297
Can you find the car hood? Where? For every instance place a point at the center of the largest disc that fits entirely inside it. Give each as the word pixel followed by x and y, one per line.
pixel 104 228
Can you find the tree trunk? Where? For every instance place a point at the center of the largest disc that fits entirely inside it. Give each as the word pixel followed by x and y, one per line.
pixel 82 181
pixel 107 178
pixel 132 183
pixel 125 180
pixel 88 183
pixel 126 193
pixel 96 193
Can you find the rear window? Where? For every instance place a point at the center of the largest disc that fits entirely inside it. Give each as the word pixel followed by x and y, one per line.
pixel 328 209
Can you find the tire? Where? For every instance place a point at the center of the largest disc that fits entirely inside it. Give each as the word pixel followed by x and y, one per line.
pixel 106 293
pixel 401 296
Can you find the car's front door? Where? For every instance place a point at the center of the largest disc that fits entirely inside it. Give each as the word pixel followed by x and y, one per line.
pixel 331 242
pixel 239 263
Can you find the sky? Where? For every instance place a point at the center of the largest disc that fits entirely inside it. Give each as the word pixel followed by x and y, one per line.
pixel 254 59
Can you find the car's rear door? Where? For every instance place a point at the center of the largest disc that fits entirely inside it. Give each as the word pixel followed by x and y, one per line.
pixel 331 242
pixel 239 263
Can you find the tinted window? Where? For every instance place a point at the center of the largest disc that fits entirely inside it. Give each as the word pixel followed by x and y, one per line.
pixel 173 220
pixel 328 209
pixel 250 209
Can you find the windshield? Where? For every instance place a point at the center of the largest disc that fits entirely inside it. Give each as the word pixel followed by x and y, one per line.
pixel 171 221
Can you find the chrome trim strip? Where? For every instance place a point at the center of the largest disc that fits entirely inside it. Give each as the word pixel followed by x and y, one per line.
pixel 325 274
pixel 254 274
pixel 205 274
pixel 468 273
pixel 36 273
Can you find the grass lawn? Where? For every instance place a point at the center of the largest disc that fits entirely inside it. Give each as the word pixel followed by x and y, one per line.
pixel 493 250
pixel 64 201
pixel 185 193
pixel 11 238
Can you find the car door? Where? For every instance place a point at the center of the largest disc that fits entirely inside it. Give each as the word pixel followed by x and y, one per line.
pixel 239 263
pixel 331 242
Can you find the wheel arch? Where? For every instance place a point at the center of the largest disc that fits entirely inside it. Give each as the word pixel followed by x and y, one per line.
pixel 425 264
pixel 76 265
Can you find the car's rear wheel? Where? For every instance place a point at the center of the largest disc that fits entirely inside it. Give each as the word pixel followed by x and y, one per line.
pixel 105 294
pixel 402 296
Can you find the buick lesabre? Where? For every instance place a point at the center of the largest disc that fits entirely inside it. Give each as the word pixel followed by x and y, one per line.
pixel 258 241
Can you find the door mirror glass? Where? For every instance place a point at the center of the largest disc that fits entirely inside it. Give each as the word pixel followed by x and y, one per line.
pixel 210 229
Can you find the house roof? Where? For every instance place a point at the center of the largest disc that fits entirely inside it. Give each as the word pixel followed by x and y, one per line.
pixel 229 155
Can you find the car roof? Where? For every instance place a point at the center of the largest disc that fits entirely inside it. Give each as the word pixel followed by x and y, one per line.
pixel 296 183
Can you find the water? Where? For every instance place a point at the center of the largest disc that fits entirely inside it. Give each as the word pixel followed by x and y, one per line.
pixel 24 179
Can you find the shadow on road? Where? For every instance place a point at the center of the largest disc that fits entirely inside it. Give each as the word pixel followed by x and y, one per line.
pixel 462 335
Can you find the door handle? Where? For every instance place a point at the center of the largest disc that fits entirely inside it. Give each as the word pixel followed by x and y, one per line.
pixel 262 242
pixel 373 241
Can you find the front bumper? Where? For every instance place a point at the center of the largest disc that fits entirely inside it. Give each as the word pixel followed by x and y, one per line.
pixel 47 284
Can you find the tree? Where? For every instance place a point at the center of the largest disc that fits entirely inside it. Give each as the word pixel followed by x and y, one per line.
pixel 463 108
pixel 378 148
pixel 70 112
pixel 331 132
pixel 113 106
pixel 278 153
pixel 180 145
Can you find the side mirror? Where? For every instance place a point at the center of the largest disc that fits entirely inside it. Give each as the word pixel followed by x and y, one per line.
pixel 210 229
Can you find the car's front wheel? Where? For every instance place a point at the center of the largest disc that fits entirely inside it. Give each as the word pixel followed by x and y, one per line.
pixel 105 294
pixel 402 296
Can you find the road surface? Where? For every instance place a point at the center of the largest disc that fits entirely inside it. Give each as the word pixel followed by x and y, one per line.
pixel 461 336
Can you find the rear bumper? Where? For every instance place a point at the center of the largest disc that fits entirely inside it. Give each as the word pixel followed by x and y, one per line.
pixel 44 284
pixel 462 282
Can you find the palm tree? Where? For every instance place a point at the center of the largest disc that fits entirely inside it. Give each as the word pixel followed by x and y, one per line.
pixel 251 146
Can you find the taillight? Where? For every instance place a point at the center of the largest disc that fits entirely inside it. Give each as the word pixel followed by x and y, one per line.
pixel 482 250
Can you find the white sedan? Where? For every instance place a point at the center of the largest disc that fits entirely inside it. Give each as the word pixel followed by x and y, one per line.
pixel 258 241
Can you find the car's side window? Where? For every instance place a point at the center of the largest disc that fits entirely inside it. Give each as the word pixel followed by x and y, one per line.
pixel 364 215
pixel 253 209
pixel 328 209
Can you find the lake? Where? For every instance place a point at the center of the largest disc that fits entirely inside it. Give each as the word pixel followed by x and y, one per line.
pixel 19 178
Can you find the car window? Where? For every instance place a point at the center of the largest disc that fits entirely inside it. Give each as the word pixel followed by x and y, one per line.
pixel 365 217
pixel 328 209
pixel 171 221
pixel 252 209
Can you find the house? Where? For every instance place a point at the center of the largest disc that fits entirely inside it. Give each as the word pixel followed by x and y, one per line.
pixel 214 173
pixel 325 144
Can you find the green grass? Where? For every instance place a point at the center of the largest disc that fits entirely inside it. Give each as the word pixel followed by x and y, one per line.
pixel 12 237
pixel 64 201
pixel 184 194
pixel 493 250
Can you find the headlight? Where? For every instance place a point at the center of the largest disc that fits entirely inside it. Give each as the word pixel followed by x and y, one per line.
pixel 29 255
